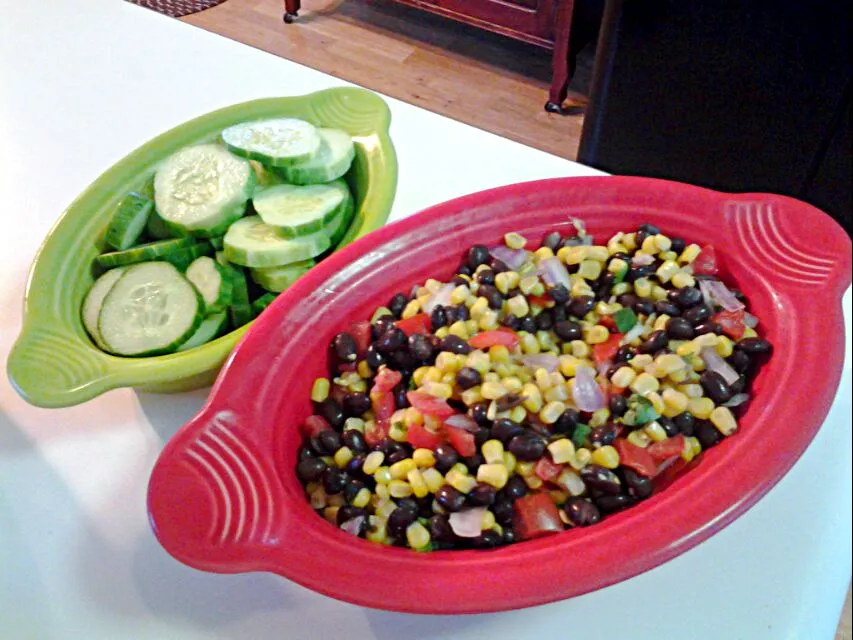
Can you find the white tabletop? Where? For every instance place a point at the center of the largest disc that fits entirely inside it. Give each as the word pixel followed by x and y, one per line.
pixel 83 83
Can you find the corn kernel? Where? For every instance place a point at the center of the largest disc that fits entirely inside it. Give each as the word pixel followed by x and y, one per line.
pixel 320 389
pixel 442 332
pixel 691 390
pixel 701 407
pixel 343 456
pixel 572 255
pixel 670 363
pixel 417 536
pixel 383 475
pixel 620 287
pixel 599 417
pixel 382 492
pixel 598 253
pixel 488 321
pixel 494 474
pixel 533 482
pixel 597 334
pixel 551 412
pixel 629 240
pixel 617 265
pixel 459 481
pixel 655 431
pixel 656 400
pixel 423 458
pixel 695 445
pixel 639 438
pixel 493 451
pixel 674 402
pixel 399 489
pixel 317 498
pixel 644 384
pixel 373 462
pixel 515 240
pixel 690 253
pixel 509 461
pixel 459 330
pixel 525 468
pixel 724 420
pixel 362 498
pixel 506 281
pixel 543 253
pixel 492 390
pixel 606 457
pixel 446 362
pixel 331 514
pixel 581 288
pixel 377 531
pixel 498 353
pixel 706 340
pixel 659 293
pixel 438 390
pixel 562 450
pixel 529 344
pixel 683 279
pixel 581 459
pixel 460 294
pixel 417 483
pixel 433 374
pixel 650 245
pixel 433 478
pixel 590 270
pixel 623 377
pixel 527 284
pixel 660 323
pixel 643 287
pixel 748 332
pixel 412 309
pixel 557 393
pixel 662 242
pixel 724 347
pixel 533 398
pixel 471 327
pixel 571 482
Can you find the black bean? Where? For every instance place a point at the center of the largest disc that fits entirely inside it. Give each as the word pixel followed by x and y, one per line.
pixel 401 400
pixel 643 306
pixel 449 498
pixel 399 521
pixel 544 321
pixel 581 306
pixel 403 361
pixel 603 434
pixel 552 241
pixel 624 353
pixel 348 512
pixel 509 401
pixel 621 255
pixel 708 327
pixel 618 406
pixel 515 488
pixel 482 435
pixel 643 271
pixel 374 358
pixel 438 317
pixel 528 324
pixel 310 469
pixel 601 480
pixel 420 347
pixel 440 529
pixel 334 480
pixel 656 341
pixel 511 321
pixel 697 315
pixel 492 296
pixel 572 241
pixel 754 346
pixel 483 495
pixel 477 255
pixel 668 426
pixel 354 440
pixel 627 300
pixel 306 452
pixel 382 324
pixel 486 277
pixel 567 421
pixel 504 429
pixel 397 304
pixel 455 344
pixel 345 347
pixel 568 330
pixel 666 307
pixel 680 329
pixel 496 265
pixel 687 297
pixel 612 504
pixel 740 361
pixel 685 422
pixel 715 387
pixel 581 513
pixel 474 462
pixel 527 446
pixel 558 314
pixel 678 245
pixel 460 313
pixel 649 230
pixel 559 293
pixel 331 440
pixel 707 434
pixel 639 487
pixel 391 340
pixel 509 535
pixel 356 463
pixel 487 540
pixel 332 412
pixel 739 385
pixel 603 284
pixel 480 413
pixel 468 377
pixel 356 403
pixel 352 488
pixel 317 446
pixel 397 456
pixel 409 503
pixel 463 269
pixel 503 511
pixel 445 457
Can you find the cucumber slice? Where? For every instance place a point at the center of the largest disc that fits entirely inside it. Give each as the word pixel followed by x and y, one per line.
pixel 207 331
pixel 263 302
pixel 217 243
pixel 331 161
pixel 156 227
pixel 338 229
pixel 95 300
pixel 277 279
pixel 240 310
pixel 151 310
pixel 200 190
pixel 128 221
pixel 183 258
pixel 265 177
pixel 300 210
pixel 212 283
pixel 277 142
pixel 143 252
pixel 221 259
pixel 251 243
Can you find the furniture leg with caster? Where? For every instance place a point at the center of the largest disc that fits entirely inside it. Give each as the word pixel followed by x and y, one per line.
pixel 291 10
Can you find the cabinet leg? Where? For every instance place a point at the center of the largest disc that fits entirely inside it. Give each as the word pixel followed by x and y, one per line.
pixel 563 61
pixel 291 10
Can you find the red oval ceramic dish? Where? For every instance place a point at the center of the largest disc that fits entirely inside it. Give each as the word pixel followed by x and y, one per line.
pixel 224 497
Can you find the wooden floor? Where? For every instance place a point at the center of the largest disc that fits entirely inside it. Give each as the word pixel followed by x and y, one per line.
pixel 484 80
pixel 479 78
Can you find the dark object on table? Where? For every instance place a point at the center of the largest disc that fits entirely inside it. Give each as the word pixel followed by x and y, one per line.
pixel 752 96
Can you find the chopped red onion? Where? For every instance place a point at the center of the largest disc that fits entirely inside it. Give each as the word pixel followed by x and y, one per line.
pixel 642 260
pixel 467 524
pixel 462 421
pixel 547 361
pixel 440 297
pixel 719 294
pixel 634 332
pixel 586 393
pixel 737 400
pixel 713 362
pixel 666 464
pixel 513 258
pixel 353 525
pixel 554 272
pixel 750 320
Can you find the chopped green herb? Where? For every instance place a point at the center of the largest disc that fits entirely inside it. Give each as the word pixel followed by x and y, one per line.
pixel 625 319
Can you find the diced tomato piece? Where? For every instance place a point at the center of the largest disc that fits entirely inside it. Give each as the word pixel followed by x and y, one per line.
pixel 386 379
pixel 732 322
pixel 461 440
pixel 427 404
pixel 535 515
pixel 705 263
pixel 416 324
pixel 673 472
pixel 547 470
pixel 540 301
pixel 376 432
pixel 661 451
pixel 422 438
pixel 607 321
pixel 382 403
pixel 634 457
pixel 338 393
pixel 487 339
pixel 314 426
pixel 606 351
pixel 361 332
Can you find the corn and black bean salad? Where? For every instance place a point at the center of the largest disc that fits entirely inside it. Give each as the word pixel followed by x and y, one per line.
pixel 539 390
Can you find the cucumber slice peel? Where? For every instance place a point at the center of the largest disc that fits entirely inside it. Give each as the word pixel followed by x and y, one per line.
pixel 212 282
pixel 277 279
pixel 95 300
pixel 251 243
pixel 209 329
pixel 143 252
pixel 332 160
pixel 129 220
pixel 300 210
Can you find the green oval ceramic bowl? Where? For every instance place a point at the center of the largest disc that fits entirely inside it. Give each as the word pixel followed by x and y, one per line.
pixel 53 363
